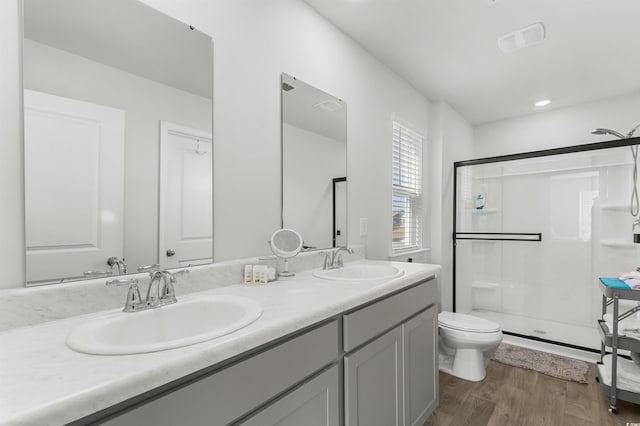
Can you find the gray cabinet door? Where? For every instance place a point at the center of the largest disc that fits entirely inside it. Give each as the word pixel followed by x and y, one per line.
pixel 313 404
pixel 420 356
pixel 373 382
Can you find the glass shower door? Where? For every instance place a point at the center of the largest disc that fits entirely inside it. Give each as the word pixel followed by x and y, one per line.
pixel 525 251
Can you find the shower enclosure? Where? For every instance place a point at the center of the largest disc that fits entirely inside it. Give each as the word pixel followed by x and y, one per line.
pixel 534 231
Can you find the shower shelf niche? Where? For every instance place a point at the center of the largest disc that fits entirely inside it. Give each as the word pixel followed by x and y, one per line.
pixel 617 244
pixel 486 210
pixel 614 206
pixel 484 285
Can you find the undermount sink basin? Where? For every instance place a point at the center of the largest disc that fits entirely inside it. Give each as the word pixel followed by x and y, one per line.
pixel 360 272
pixel 187 322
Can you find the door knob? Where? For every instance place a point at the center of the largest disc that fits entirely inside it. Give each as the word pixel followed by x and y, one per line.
pixel 171 252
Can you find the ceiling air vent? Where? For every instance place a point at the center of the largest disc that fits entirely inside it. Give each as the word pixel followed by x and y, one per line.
pixel 524 37
pixel 328 105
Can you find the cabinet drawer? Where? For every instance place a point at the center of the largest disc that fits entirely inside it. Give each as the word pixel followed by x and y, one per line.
pixel 234 391
pixel 370 321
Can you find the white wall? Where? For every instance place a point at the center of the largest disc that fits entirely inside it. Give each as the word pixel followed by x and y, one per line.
pixel 451 138
pixel 12 252
pixel 557 128
pixel 145 103
pixel 254 42
pixel 311 161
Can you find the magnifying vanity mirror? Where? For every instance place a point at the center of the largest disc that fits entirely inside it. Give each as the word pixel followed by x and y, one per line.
pixel 118 150
pixel 285 244
pixel 314 164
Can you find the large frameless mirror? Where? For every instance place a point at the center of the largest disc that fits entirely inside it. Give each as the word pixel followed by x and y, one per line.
pixel 314 164
pixel 118 148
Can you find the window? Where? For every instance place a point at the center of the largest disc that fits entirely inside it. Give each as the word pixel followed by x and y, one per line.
pixel 406 201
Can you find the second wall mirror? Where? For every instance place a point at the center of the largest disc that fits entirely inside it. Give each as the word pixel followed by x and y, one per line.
pixel 314 164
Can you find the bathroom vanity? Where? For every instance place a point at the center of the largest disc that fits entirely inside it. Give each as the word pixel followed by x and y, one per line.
pixel 324 352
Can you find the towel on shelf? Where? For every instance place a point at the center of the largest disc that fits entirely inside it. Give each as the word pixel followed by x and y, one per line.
pixel 628 377
pixel 629 327
pixel 614 283
pixel 629 275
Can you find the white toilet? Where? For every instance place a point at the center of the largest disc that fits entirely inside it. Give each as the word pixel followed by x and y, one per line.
pixel 466 344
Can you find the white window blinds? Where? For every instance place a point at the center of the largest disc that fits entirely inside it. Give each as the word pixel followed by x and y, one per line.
pixel 406 202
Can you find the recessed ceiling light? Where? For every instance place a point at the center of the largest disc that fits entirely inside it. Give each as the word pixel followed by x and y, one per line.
pixel 543 103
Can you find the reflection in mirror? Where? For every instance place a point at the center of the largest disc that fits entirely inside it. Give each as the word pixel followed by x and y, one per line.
pixel 314 164
pixel 118 152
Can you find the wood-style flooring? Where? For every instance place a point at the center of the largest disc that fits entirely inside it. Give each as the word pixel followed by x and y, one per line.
pixel 516 397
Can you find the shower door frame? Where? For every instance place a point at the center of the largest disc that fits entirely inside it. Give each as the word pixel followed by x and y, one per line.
pixel 617 143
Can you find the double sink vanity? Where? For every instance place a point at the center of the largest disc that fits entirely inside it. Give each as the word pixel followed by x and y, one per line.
pixel 354 345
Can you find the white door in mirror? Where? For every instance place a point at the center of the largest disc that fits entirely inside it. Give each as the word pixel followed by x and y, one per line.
pixel 186 203
pixel 190 321
pixel 74 186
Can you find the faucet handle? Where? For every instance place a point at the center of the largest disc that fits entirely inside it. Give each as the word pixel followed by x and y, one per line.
pixel 96 273
pixel 133 295
pixel 167 292
pixel 122 281
pixel 149 268
pixel 176 273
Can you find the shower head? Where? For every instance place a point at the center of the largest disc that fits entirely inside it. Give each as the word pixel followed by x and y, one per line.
pixel 600 131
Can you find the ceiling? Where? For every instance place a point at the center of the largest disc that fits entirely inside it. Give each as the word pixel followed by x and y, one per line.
pixel 302 108
pixel 127 35
pixel 447 49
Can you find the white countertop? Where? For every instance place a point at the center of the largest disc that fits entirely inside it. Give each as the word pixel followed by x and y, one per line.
pixel 44 382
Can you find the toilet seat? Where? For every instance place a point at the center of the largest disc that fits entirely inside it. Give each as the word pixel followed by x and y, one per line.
pixel 468 323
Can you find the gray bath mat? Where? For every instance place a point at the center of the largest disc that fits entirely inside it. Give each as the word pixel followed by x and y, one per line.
pixel 542 362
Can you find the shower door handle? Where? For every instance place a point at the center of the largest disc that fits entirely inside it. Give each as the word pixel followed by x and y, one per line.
pixel 499 236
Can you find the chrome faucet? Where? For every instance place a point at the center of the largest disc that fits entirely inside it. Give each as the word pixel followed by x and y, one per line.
pixel 333 258
pixel 338 256
pixel 134 301
pixel 114 261
pixel 160 292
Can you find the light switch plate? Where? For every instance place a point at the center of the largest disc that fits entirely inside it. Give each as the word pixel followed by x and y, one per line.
pixel 364 226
